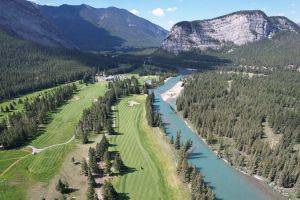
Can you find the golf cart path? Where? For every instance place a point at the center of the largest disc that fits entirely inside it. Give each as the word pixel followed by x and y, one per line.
pixel 37 150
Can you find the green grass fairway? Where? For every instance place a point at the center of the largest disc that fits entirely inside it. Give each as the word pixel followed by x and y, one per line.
pixel 31 170
pixel 143 146
pixel 19 107
pixel 61 128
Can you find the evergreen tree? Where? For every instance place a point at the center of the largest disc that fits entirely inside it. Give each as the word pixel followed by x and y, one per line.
pixel 118 163
pixel 177 140
pixel 172 140
pixel 91 195
pixel 108 191
pixel 84 138
pixel 91 180
pixel 84 167
pixel 61 186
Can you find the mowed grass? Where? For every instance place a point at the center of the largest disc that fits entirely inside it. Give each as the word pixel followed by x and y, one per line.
pixel 7 158
pixel 19 107
pixel 143 149
pixel 32 170
pixel 61 128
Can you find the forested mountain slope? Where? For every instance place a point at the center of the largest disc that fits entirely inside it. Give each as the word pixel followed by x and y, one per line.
pixel 26 21
pixel 27 67
pixel 104 28
pixel 282 50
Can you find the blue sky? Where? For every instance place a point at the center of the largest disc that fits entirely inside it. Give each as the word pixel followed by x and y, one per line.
pixel 167 12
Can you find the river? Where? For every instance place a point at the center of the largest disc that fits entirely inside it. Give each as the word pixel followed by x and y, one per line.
pixel 226 182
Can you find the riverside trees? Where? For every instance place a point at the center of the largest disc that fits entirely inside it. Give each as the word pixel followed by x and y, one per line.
pixel 237 116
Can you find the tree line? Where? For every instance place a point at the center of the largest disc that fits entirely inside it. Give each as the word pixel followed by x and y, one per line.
pixel 235 117
pixel 190 174
pixel 97 118
pixel 19 127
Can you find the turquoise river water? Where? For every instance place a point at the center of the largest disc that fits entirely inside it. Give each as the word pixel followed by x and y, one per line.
pixel 227 182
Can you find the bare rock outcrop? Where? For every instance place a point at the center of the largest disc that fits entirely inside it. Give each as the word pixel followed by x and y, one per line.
pixel 237 28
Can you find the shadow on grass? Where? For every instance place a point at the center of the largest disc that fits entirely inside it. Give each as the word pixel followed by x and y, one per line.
pixel 70 190
pixel 123 196
pixel 125 170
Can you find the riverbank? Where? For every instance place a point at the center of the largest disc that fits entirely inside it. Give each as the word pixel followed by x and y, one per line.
pixel 174 92
pixel 270 189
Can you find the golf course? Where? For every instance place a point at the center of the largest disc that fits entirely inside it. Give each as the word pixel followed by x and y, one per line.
pixel 146 153
pixel 20 170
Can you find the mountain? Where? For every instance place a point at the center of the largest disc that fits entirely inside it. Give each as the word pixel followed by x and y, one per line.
pixel 237 28
pixel 104 28
pixel 26 21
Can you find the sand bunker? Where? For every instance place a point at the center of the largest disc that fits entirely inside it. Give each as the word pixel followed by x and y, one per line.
pixel 76 98
pixel 132 103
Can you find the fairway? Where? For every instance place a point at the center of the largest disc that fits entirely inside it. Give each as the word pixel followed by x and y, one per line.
pixel 66 118
pixel 31 170
pixel 144 150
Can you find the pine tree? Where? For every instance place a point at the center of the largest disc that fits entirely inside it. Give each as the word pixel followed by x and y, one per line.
pixel 177 140
pixel 61 186
pixel 108 191
pixel 84 167
pixel 84 138
pixel 118 163
pixel 93 161
pixel 172 140
pixel 91 180
pixel 90 193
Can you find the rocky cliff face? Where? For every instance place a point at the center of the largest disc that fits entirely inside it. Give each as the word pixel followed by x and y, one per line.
pixel 237 28
pixel 26 21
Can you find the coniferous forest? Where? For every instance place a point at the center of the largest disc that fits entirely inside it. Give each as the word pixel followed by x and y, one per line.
pixel 20 127
pixel 26 67
pixel 233 112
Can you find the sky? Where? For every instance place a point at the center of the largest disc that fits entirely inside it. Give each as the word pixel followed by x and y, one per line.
pixel 167 12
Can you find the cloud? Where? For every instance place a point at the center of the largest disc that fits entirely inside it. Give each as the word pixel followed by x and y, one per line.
pixel 172 9
pixel 293 12
pixel 171 22
pixel 158 12
pixel 135 12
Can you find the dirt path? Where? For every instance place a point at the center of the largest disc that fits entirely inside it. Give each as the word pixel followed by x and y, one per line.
pixel 37 150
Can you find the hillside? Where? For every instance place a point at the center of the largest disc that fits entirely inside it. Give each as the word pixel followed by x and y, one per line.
pixel 282 50
pixel 237 28
pixel 27 67
pixel 26 21
pixel 104 28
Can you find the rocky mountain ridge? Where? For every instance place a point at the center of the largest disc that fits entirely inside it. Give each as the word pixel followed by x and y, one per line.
pixel 237 28
pixel 96 29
